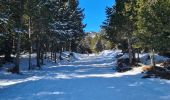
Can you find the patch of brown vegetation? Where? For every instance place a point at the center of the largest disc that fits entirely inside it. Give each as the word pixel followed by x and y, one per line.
pixel 147 68
pixel 160 72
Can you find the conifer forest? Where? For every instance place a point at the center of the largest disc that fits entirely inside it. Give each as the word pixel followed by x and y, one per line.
pixel 52 50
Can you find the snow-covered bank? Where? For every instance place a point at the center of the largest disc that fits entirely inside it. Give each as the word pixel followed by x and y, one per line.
pixel 86 78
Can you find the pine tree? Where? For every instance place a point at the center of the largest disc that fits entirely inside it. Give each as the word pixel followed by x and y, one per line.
pixel 120 24
pixel 19 30
pixel 153 25
pixel 98 46
pixel 75 29
pixel 6 25
pixel 48 25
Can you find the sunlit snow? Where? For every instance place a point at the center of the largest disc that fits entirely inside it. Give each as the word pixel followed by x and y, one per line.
pixel 87 77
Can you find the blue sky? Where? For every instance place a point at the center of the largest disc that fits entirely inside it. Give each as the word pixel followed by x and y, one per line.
pixel 94 13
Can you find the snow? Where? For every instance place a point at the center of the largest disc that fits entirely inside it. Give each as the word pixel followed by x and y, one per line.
pixel 12 82
pixel 87 77
pixel 3 20
pixel 17 30
pixel 124 56
pixel 144 58
pixel 110 53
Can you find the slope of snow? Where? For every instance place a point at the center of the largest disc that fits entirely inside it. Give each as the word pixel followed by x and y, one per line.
pixel 145 58
pixel 86 78
pixel 110 53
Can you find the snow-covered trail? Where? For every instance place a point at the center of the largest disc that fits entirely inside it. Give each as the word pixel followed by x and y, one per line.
pixel 90 78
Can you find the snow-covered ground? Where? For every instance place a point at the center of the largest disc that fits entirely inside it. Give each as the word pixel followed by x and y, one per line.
pixel 85 78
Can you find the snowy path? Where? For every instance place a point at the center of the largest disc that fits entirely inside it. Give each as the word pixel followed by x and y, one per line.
pixel 90 78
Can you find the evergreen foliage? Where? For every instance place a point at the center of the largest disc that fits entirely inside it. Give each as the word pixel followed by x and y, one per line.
pixel 143 24
pixel 46 25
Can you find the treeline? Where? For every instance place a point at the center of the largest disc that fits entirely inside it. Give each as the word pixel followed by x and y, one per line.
pixel 39 26
pixel 93 43
pixel 139 25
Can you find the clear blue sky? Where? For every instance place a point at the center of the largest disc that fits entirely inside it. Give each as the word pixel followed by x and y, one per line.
pixel 94 13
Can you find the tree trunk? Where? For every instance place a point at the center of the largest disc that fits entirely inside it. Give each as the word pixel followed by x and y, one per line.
pixel 152 58
pixel 51 51
pixel 55 58
pixel 30 44
pixel 38 53
pixel 8 50
pixel 70 46
pixel 55 53
pixel 138 56
pixel 60 50
pixel 51 54
pixel 42 57
pixel 19 38
pixel 130 51
pixel 46 50
pixel 134 56
pixel 18 55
